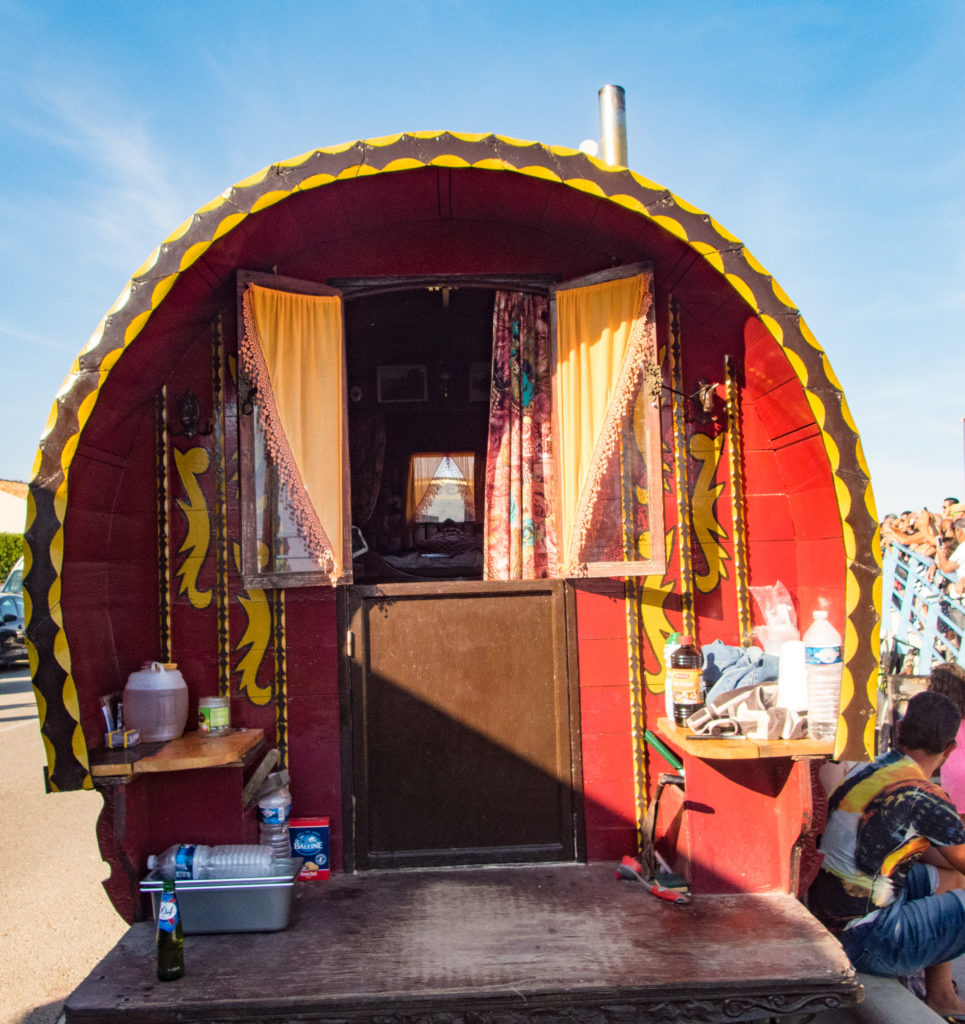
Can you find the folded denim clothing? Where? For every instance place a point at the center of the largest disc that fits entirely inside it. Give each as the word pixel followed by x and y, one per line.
pixel 726 667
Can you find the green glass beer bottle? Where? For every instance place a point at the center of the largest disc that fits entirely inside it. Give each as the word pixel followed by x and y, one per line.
pixel 170 938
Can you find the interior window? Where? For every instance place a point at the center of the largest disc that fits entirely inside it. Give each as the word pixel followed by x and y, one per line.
pixel 441 487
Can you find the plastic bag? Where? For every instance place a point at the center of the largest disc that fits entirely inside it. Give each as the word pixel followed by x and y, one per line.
pixel 780 619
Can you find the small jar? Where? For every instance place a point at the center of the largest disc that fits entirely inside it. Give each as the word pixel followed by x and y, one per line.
pixel 214 716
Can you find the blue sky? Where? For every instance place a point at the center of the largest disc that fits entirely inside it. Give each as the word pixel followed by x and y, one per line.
pixel 829 136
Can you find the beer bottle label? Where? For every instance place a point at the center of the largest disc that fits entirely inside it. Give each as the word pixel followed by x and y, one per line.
pixel 167 914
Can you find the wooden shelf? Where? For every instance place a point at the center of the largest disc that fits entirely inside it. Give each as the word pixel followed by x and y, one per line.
pixel 741 748
pixel 192 750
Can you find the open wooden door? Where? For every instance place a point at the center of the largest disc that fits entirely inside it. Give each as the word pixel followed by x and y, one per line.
pixel 464 724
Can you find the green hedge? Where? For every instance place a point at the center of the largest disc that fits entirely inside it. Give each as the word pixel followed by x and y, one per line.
pixel 11 548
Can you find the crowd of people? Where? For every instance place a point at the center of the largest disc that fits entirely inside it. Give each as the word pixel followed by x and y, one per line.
pixel 939 537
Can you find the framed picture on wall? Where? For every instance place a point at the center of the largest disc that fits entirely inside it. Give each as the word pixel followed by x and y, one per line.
pixel 402 383
pixel 479 381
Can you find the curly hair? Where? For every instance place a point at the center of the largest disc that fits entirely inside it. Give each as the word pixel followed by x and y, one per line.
pixel 948 679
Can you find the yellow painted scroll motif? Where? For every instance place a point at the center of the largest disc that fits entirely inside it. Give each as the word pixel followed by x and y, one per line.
pixel 254 641
pixel 190 465
pixel 708 532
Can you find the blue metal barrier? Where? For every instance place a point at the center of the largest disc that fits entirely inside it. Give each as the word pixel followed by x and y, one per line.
pixel 921 623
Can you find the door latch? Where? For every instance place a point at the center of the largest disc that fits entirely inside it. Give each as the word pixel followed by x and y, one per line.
pixel 349 644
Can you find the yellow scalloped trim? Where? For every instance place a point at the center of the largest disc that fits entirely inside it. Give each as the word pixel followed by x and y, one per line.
pixel 630 203
pixel 254 179
pixel 95 339
pixel 469 136
pixel 685 206
pixel 384 140
pixel 148 263
pixel 585 185
pixel 775 330
pixel 135 327
pixel 407 163
pixel 831 447
pixel 755 263
pixel 828 372
pixel 817 407
pixel 537 171
pixel 269 199
pixel 121 299
pixel 193 254
pixel 850 545
pixel 646 182
pixel 69 696
pixel 61 650
pixel 808 335
pixel 448 160
pixel 315 181
pixel 297 161
pixel 519 143
pixel 743 289
pixel 850 649
pixel 710 254
pixel 723 232
pixel 212 204
pixel 161 290
pixel 852 593
pixel 843 495
pixel 340 147
pixel 871 506
pixel 84 410
pixel 228 224
pixel 349 172
pixel 673 226
pixel 494 164
pixel 67 453
pixel 109 360
pixel 781 295
pixel 565 151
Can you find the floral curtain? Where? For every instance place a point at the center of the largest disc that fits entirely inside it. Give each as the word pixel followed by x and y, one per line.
pixel 520 530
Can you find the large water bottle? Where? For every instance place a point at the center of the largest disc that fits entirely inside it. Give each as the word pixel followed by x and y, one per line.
pixel 822 656
pixel 274 810
pixel 188 861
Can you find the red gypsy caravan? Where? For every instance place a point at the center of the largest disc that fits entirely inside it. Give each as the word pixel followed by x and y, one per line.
pixel 417 449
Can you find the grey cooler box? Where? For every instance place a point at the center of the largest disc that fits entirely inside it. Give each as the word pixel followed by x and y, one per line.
pixel 210 905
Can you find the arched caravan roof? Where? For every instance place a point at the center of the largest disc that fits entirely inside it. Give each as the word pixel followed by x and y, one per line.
pixel 363 195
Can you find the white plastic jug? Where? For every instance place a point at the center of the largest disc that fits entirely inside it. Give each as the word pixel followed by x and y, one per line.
pixel 156 702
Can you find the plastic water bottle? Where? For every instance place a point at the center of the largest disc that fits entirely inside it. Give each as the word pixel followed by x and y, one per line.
pixel 187 861
pixel 274 810
pixel 822 656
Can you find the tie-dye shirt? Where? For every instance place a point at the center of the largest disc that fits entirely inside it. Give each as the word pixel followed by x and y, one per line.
pixel 880 820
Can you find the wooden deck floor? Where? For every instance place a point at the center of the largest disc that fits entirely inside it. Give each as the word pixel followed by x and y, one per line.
pixel 551 944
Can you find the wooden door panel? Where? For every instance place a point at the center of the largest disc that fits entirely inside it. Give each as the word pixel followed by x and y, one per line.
pixel 462 727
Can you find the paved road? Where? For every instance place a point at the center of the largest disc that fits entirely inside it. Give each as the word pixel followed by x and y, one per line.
pixel 55 920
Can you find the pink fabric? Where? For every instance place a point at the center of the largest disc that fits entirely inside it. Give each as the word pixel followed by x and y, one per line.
pixel 520 527
pixel 953 773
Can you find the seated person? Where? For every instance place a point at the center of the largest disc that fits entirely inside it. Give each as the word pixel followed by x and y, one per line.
pixel 890 887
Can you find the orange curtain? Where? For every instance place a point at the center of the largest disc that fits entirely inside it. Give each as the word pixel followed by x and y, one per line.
pixel 292 350
pixel 601 342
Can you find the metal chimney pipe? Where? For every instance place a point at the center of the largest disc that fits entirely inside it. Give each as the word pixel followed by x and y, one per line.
pixel 613 125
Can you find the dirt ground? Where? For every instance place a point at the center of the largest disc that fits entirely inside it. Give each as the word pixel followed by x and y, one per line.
pixel 55 919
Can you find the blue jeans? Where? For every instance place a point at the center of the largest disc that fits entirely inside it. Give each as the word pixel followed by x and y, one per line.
pixel 920 929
